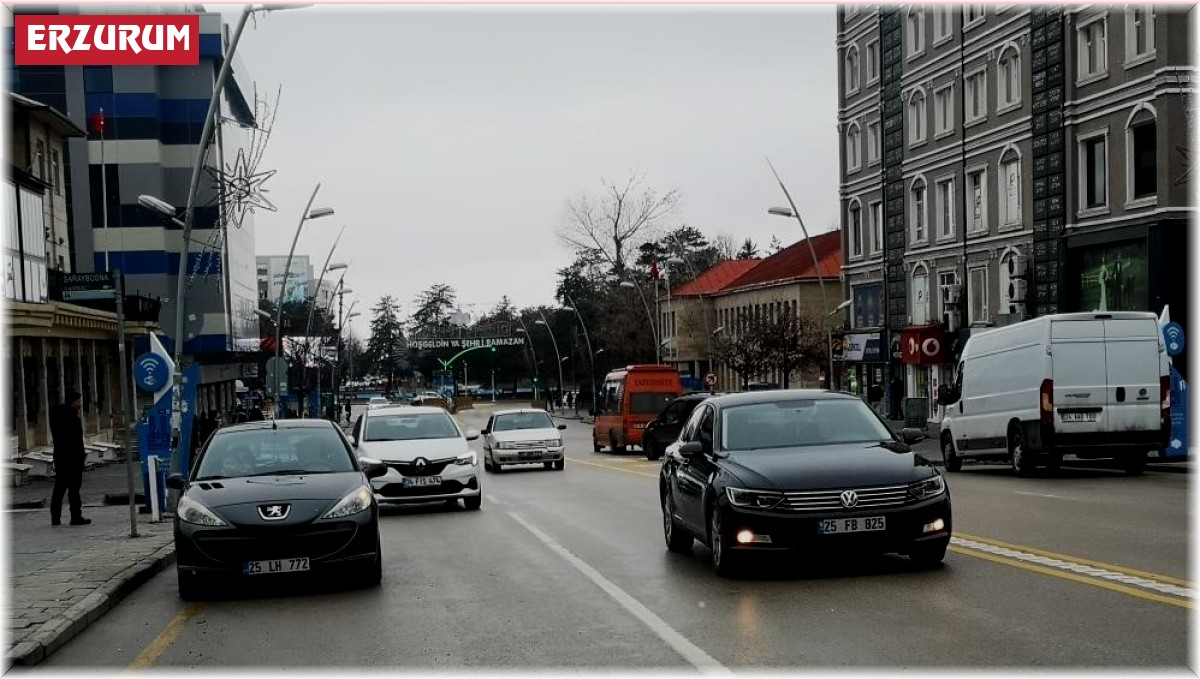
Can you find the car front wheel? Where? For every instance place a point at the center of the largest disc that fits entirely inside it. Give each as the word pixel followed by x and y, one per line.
pixel 927 555
pixel 190 586
pixel 677 539
pixel 473 502
pixel 725 561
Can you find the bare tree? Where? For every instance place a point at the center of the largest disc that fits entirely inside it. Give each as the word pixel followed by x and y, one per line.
pixel 741 348
pixel 617 221
pixel 791 342
pixel 726 247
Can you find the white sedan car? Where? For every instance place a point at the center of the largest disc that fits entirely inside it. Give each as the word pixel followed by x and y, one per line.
pixel 426 453
pixel 522 437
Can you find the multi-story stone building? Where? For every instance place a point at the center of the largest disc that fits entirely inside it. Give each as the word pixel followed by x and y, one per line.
pixel 300 279
pixel 976 174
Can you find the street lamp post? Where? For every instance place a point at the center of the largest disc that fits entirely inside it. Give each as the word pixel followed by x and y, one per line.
pixel 542 321
pixel 309 213
pixel 525 331
pixel 591 355
pixel 795 212
pixel 649 317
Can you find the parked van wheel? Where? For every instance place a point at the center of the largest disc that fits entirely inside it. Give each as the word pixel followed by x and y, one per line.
pixel 1022 463
pixel 953 461
pixel 595 443
pixel 1135 464
pixel 612 443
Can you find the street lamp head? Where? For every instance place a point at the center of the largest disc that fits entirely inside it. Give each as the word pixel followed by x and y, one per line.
pixel 349 316
pixel 675 260
pixel 600 351
pixel 781 212
pixel 283 6
pixel 521 330
pixel 336 267
pixel 264 315
pixel 539 322
pixel 719 330
pixel 569 309
pixel 845 304
pixel 318 212
pixel 158 206
pixel 346 291
pixel 565 359
pixel 628 284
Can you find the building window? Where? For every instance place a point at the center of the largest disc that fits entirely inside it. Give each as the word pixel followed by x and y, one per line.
pixel 1139 34
pixel 1010 189
pixel 39 160
pixel 920 296
pixel 872 61
pixel 55 172
pixel 916 118
pixel 945 208
pixel 918 215
pixel 1092 50
pixel 853 147
pixel 974 15
pixel 943 23
pixel 851 70
pixel 914 32
pixel 976 99
pixel 1093 160
pixel 977 310
pixel 977 201
pixel 876 227
pixel 1141 140
pixel 1008 77
pixel 873 142
pixel 943 111
pixel 856 231
pixel 946 281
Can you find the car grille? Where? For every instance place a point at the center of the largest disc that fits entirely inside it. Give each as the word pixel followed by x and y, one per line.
pixel 281 543
pixel 831 500
pixel 447 487
pixel 410 469
pixel 526 444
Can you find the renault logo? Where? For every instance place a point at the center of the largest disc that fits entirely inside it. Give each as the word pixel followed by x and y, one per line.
pixel 420 464
pixel 849 498
pixel 274 512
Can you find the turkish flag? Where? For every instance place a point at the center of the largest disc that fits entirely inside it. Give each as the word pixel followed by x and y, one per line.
pixel 653 269
pixel 96 122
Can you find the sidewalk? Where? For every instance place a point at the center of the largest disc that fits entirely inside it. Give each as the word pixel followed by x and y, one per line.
pixel 64 578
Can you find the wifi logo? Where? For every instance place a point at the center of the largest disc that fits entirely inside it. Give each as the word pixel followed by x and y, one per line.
pixel 151 372
pixel 1173 338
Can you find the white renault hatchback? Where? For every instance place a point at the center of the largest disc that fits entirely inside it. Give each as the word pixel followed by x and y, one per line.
pixel 426 453
pixel 522 437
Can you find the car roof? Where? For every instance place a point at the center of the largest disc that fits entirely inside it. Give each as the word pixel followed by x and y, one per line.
pixel 410 410
pixel 699 395
pixel 277 424
pixel 776 395
pixel 514 411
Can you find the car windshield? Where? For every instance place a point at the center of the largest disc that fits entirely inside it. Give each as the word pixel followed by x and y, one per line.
pixel 791 423
pixel 514 421
pixel 259 452
pixel 378 400
pixel 649 403
pixel 409 427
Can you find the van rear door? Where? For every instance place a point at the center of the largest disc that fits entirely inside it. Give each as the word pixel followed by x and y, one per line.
pixel 1134 400
pixel 1080 377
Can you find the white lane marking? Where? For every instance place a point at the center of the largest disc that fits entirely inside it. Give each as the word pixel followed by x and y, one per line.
pixel 1056 497
pixel 692 653
pixel 1132 580
pixel 492 499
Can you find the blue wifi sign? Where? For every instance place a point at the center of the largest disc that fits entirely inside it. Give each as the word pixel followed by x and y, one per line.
pixel 151 372
pixel 1173 338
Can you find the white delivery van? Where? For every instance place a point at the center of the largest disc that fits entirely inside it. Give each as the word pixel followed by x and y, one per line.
pixel 1090 385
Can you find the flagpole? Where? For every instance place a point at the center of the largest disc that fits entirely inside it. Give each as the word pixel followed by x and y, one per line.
pixel 104 193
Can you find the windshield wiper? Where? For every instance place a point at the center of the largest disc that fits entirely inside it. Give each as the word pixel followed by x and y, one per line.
pixel 286 472
pixel 214 477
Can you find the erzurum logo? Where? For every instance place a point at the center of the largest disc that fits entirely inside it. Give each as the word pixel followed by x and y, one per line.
pixel 106 40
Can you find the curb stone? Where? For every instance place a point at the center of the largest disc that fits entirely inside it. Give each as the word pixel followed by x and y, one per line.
pixel 57 631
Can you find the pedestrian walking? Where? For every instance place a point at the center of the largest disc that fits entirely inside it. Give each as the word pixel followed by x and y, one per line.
pixel 69 457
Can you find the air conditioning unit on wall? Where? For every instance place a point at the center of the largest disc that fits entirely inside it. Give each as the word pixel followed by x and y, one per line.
pixel 1018 266
pixel 952 294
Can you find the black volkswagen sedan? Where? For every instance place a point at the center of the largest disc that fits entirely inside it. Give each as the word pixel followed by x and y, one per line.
pixel 269 499
pixel 807 471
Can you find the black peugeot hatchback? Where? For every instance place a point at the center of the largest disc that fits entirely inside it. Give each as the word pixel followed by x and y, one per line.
pixel 807 471
pixel 272 499
pixel 664 429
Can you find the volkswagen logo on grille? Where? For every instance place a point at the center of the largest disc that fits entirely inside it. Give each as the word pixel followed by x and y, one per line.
pixel 849 498
pixel 274 512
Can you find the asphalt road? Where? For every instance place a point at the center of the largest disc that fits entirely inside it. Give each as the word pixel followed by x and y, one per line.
pixel 569 570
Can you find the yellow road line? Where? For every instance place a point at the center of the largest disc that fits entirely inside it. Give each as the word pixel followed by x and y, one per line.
pixel 1149 596
pixel 611 468
pixel 165 638
pixel 1079 560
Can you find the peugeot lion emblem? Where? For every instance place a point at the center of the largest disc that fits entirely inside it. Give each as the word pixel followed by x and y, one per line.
pixel 849 498
pixel 274 512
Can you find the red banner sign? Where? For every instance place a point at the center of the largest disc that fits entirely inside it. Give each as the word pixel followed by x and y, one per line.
pixel 106 40
pixel 923 346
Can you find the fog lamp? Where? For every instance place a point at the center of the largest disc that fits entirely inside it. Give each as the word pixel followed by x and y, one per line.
pixel 935 526
pixel 746 537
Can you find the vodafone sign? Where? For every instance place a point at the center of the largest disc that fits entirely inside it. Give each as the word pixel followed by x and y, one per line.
pixel 923 346
pixel 106 40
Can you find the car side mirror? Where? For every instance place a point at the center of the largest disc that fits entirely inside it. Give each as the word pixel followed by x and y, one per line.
pixel 945 395
pixel 591 412
pixel 472 434
pixel 562 427
pixel 691 449
pixel 485 432
pixel 176 482
pixel 912 435
pixel 371 467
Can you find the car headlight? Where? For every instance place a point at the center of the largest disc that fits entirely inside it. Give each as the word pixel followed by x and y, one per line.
pixel 552 443
pixel 758 499
pixel 190 511
pixel 469 458
pixel 930 487
pixel 358 500
pixel 505 445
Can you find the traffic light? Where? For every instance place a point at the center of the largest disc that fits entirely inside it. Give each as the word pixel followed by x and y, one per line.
pixel 493 348
pixel 535 380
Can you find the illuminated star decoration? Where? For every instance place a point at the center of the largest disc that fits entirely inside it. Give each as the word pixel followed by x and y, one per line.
pixel 242 189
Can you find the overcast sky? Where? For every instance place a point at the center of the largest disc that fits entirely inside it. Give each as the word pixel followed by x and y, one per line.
pixel 449 140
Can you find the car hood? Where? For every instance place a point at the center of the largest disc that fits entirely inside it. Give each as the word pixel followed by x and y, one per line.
pixel 218 493
pixel 407 451
pixel 527 435
pixel 820 467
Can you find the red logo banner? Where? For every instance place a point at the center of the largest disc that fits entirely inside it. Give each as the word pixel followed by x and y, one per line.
pixel 106 40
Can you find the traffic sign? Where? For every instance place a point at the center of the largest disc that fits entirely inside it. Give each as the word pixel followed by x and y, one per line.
pixel 83 286
pixel 710 380
pixel 1173 338
pixel 150 372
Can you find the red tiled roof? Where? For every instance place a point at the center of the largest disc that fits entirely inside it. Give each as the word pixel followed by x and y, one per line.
pixel 795 262
pixel 714 279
